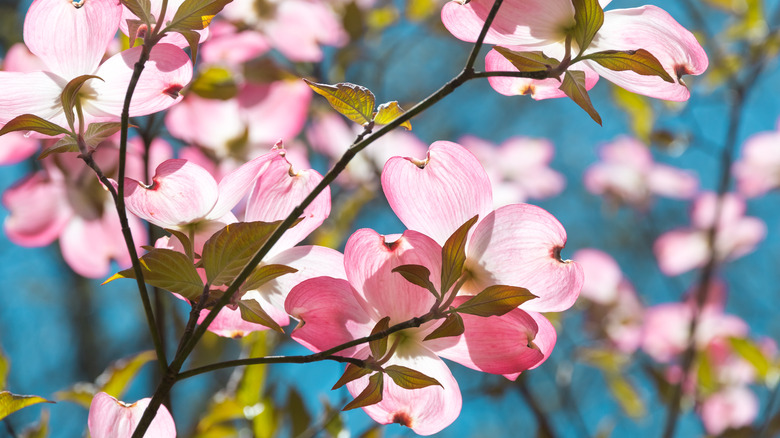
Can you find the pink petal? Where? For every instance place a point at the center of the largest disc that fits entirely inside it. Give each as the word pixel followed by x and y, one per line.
pixel 276 110
pixel 758 171
pixel 229 323
pixel 602 275
pixel 329 312
pixel 15 147
pixel 732 407
pixel 229 46
pixel 301 26
pixel 679 251
pixel 496 344
pixel 672 182
pixel 427 410
pixel 181 193
pixel 174 38
pixel 666 329
pixel 537 89
pixel 519 22
pixel 166 73
pixel 439 194
pixel 519 245
pixel 652 29
pixel 71 41
pixel 705 209
pixel 19 58
pixel 110 418
pixel 31 93
pixel 280 189
pixel 237 183
pixel 38 211
pixel 207 123
pixel 369 259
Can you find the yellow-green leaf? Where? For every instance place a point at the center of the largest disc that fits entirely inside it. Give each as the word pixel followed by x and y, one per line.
pixel 639 111
pixel 574 86
pixel 252 312
pixel 64 144
pixel 452 326
pixel 379 346
pixel 588 17
pixel 496 300
pixel 453 255
pixel 388 112
pixel 639 61
pixel 263 274
pixel 528 61
pixel 372 394
pixel 141 9
pixel 751 353
pixel 408 378
pixel 169 270
pixel 215 83
pixel 352 372
pixel 70 95
pixel 30 122
pixel 10 403
pixel 353 101
pixel 195 14
pixel 117 377
pixel 625 394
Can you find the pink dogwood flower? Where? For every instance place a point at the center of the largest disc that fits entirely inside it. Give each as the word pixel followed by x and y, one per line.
pixel 683 249
pixel 516 245
pixel 334 311
pixel 519 168
pixel 71 41
pixel 758 170
pixel 628 174
pixel 111 418
pixel 540 25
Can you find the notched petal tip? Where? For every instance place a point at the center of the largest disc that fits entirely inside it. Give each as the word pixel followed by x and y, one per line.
pixel 173 90
pixel 403 419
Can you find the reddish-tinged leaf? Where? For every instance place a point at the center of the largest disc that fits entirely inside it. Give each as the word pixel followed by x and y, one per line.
pixel 227 252
pixel 408 378
pixel 184 239
pixel 65 144
pixel 70 96
pixel 132 31
pixel 352 372
pixel 98 132
pixel 169 270
pixel 387 112
pixel 574 87
pixel 589 17
pixel 639 61
pixel 371 395
pixel 195 14
pixel 29 122
pixel 528 61
pixel 418 275
pixel 141 9
pixel 10 403
pixel 252 312
pixel 452 326
pixel 379 346
pixel 353 101
pixel 496 301
pixel 193 39
pixel 453 255
pixel 263 274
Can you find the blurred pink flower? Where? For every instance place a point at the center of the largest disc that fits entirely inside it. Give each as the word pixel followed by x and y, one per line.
pixel 527 25
pixel 758 170
pixel 683 249
pixel 628 174
pixel 518 168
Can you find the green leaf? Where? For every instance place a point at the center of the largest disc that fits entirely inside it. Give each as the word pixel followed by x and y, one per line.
pixel 300 419
pixel 707 381
pixel 119 374
pixel 639 61
pixel 263 274
pixel 353 101
pixel 29 122
pixel 626 395
pixel 99 132
pixel 5 365
pixel 352 372
pixel 589 17
pixel 379 346
pixel 195 14
pixel 227 252
pixel 639 111
pixel 496 300
pixel 607 360
pixel 141 9
pixel 408 378
pixel 193 39
pixel 752 353
pixel 169 270
pixel 70 96
pixel 387 112
pixel 252 378
pixel 40 430
pixel 452 326
pixel 64 144
pixel 81 393
pixel 453 255
pixel 10 403
pixel 371 395
pixel 215 83
pixel 252 312
pixel 184 239
pixel 574 86
pixel 528 61
pixel 418 275
pixel 220 410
